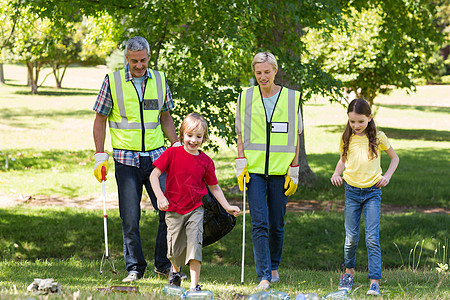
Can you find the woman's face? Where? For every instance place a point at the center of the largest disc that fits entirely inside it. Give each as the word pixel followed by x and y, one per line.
pixel 265 74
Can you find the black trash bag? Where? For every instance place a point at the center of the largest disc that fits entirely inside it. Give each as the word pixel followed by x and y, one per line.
pixel 216 221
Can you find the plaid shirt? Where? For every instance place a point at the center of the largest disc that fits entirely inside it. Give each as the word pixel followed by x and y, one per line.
pixel 103 105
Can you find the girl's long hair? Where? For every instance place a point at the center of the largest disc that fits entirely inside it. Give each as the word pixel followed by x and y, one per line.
pixel 361 107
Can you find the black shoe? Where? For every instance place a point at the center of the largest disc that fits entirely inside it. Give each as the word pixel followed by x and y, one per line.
pixel 166 272
pixel 196 289
pixel 174 278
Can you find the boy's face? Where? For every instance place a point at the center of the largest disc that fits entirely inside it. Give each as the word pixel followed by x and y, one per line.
pixel 193 140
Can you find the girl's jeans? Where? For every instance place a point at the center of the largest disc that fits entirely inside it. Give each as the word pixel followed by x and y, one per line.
pixel 356 201
pixel 267 204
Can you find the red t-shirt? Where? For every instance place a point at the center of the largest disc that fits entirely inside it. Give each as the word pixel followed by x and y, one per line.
pixel 186 177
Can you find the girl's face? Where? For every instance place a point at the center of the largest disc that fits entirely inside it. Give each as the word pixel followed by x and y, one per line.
pixel 358 122
pixel 265 74
pixel 193 140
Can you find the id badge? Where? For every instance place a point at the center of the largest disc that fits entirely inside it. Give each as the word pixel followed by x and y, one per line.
pixel 279 127
pixel 150 104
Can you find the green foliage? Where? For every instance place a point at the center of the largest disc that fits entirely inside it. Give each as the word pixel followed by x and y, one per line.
pixel 387 43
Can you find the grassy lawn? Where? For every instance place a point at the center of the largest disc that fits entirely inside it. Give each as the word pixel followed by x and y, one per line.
pixel 48 138
pixel 50 145
pixel 67 244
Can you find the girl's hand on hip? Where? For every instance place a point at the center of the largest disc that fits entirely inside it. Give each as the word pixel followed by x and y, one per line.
pixel 383 182
pixel 336 180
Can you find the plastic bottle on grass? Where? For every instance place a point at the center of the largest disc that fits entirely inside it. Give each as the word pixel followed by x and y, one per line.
pixel 259 296
pixel 308 296
pixel 274 294
pixel 341 294
pixel 173 290
pixel 199 295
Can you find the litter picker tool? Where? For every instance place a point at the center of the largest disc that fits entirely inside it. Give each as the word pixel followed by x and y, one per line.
pixel 105 227
pixel 243 233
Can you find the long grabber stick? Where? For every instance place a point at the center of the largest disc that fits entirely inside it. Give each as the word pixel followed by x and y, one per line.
pixel 243 233
pixel 105 227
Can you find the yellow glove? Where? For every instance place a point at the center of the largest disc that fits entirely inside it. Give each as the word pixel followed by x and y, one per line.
pixel 101 160
pixel 291 182
pixel 241 172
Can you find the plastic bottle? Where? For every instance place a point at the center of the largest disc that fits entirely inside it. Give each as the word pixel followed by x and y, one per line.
pixel 274 294
pixel 199 295
pixel 173 290
pixel 341 294
pixel 259 296
pixel 309 296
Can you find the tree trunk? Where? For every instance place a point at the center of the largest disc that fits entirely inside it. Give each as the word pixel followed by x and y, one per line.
pixel 306 175
pixel 2 74
pixel 32 80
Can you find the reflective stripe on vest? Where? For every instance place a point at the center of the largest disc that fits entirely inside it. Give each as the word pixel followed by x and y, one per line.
pixel 276 146
pixel 135 125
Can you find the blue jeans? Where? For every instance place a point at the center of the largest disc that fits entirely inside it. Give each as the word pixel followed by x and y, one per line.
pixel 356 201
pixel 267 204
pixel 130 182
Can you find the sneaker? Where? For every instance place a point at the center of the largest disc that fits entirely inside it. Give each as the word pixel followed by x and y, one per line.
pixel 263 285
pixel 374 290
pixel 346 282
pixel 174 278
pixel 132 276
pixel 275 278
pixel 165 273
pixel 196 289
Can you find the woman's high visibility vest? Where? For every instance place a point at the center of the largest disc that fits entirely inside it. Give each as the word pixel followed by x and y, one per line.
pixel 135 125
pixel 269 146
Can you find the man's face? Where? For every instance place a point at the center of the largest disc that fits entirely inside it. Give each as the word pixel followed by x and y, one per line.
pixel 138 61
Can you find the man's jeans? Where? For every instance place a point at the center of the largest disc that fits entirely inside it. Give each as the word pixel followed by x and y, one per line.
pixel 130 182
pixel 267 204
pixel 356 201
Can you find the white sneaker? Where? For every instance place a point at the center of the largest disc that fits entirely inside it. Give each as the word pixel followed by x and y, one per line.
pixel 132 276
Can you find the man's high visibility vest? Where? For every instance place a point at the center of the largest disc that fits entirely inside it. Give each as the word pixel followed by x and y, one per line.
pixel 135 125
pixel 269 146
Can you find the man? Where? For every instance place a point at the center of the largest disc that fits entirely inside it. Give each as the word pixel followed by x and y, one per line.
pixel 136 102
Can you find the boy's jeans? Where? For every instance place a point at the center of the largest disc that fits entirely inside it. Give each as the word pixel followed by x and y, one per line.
pixel 356 201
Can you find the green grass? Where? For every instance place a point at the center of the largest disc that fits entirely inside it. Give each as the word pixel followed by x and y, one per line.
pixel 49 141
pixel 67 244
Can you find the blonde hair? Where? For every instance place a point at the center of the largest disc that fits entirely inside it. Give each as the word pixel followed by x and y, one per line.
pixel 193 121
pixel 263 57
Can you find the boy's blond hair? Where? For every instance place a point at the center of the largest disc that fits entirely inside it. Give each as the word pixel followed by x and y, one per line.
pixel 193 121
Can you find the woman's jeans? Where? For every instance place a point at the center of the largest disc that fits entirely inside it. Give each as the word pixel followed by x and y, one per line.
pixel 267 204
pixel 356 201
pixel 130 182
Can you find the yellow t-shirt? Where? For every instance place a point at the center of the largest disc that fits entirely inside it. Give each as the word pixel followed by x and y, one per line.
pixel 360 170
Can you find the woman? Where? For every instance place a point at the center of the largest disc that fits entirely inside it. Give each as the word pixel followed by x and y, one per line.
pixel 268 122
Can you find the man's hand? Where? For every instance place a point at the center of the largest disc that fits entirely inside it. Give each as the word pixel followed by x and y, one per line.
pixel 241 172
pixel 101 160
pixel 291 181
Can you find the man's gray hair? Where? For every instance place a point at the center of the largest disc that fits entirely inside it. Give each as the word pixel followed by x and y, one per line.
pixel 137 43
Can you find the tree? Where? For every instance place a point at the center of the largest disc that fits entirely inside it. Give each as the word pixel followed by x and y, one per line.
pixel 387 44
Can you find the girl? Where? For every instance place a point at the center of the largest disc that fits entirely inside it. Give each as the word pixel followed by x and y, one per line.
pixel 187 170
pixel 360 157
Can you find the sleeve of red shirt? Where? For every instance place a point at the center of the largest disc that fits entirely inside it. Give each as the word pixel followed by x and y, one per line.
pixel 163 160
pixel 210 174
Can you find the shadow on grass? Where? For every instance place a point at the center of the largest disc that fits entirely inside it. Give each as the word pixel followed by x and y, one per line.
pixel 29 159
pixel 421 178
pixel 14 117
pixel 54 92
pixel 312 240
pixel 424 108
pixel 402 134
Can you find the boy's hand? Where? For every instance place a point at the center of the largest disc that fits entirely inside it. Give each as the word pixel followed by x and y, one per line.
pixel 163 204
pixel 336 180
pixel 234 210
